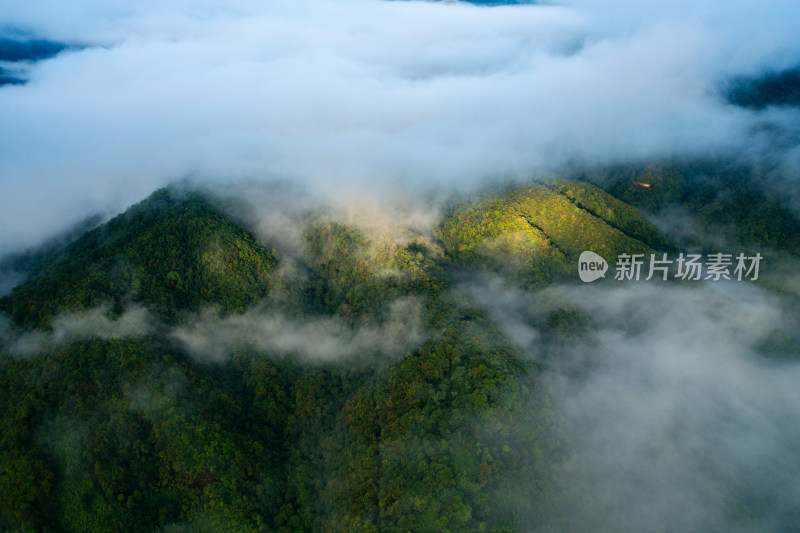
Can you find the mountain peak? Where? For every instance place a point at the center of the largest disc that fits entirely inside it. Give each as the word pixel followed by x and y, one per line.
pixel 173 251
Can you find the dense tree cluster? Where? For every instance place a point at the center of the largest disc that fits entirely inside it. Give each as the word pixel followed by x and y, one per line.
pixel 174 254
pixel 135 434
pixel 104 433
pixel 536 232
pixel 727 199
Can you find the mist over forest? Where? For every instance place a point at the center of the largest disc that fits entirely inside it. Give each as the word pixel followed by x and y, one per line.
pixel 316 266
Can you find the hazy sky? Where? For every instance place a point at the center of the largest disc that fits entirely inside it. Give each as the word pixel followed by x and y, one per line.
pixel 346 95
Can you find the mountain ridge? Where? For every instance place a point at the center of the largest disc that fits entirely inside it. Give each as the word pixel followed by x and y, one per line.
pixel 168 252
pixel 135 431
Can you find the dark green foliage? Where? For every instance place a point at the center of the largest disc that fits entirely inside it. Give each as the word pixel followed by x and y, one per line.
pixel 434 443
pixel 728 198
pixel 173 252
pixel 135 435
pixel 354 279
pixel 125 435
pixel 659 185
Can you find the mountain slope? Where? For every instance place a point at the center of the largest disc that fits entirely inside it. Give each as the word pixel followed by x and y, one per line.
pixel 746 203
pixel 106 431
pixel 173 252
pixel 537 232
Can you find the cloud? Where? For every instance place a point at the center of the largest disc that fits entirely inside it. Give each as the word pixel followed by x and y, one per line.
pixel 354 96
pixel 135 322
pixel 214 338
pixel 681 417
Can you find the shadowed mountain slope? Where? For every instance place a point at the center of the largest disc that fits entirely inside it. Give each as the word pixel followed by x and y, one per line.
pixel 173 252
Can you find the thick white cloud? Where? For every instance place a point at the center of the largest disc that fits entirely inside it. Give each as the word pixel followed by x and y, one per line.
pixel 352 94
pixel 679 400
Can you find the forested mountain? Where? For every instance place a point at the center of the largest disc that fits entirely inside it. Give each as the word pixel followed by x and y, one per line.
pixel 170 253
pixel 732 199
pixel 536 232
pixel 109 427
pixel 170 371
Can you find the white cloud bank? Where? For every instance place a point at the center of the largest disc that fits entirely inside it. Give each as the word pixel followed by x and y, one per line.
pixel 214 339
pixel 679 421
pixel 346 95
pixel 135 322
